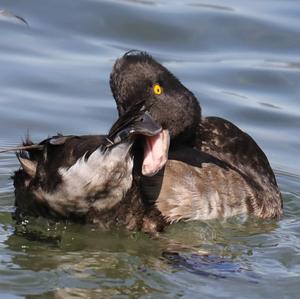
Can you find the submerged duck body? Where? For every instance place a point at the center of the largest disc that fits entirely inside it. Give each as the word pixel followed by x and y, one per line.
pixel 215 170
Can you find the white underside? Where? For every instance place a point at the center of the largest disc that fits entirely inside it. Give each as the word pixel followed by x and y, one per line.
pixel 100 181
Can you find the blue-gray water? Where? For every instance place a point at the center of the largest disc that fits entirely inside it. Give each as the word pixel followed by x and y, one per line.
pixel 240 58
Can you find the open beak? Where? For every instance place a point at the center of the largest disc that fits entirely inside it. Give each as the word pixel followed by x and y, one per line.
pixel 156 151
pixel 138 121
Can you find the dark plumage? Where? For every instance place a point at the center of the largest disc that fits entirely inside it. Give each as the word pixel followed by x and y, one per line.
pixel 176 108
pixel 161 162
pixel 214 169
pixel 86 178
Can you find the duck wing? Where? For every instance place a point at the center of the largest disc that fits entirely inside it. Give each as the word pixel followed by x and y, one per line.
pixel 225 174
pixel 225 141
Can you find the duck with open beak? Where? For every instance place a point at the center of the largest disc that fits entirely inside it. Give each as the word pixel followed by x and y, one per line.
pixel 214 169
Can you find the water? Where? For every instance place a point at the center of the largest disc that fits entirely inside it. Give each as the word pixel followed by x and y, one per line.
pixel 240 58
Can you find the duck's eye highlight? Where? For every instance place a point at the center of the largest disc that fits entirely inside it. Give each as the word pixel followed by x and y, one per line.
pixel 157 89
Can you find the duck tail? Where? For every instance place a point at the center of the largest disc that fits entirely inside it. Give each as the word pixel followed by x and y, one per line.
pixel 26 154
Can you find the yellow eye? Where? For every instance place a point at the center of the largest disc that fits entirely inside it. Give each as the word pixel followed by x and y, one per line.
pixel 157 89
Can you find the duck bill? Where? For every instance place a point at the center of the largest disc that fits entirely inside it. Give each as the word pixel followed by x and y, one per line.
pixel 145 125
pixel 132 124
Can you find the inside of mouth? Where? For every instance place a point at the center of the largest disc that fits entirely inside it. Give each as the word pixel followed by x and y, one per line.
pixel 155 152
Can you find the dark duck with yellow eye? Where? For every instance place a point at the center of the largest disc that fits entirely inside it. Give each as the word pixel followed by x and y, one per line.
pixel 214 170
pixel 86 178
pixel 161 162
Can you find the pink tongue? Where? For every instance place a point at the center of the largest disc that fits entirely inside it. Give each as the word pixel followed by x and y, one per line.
pixel 155 153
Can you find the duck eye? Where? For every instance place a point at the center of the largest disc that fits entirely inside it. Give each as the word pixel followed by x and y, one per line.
pixel 157 89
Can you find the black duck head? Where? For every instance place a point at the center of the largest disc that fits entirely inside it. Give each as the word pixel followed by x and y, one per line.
pixel 138 77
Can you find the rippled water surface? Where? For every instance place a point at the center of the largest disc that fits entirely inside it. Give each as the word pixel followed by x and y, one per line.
pixel 242 61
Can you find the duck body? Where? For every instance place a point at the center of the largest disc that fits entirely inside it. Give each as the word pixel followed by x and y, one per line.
pixel 215 178
pixel 214 170
pixel 73 175
pixel 161 162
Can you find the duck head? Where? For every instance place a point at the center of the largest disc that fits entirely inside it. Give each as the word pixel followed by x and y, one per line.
pixel 138 77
